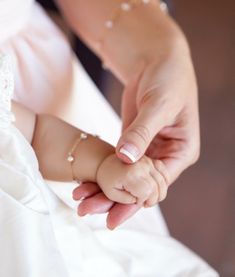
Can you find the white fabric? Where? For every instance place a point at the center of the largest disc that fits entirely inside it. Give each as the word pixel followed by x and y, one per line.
pixel 41 236
pixel 42 57
pixel 14 15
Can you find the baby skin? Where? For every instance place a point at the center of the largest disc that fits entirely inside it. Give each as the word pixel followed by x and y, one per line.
pixel 144 182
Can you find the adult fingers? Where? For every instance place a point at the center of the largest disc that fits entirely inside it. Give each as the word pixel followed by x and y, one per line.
pixel 119 213
pixel 128 108
pixel 96 204
pixel 85 190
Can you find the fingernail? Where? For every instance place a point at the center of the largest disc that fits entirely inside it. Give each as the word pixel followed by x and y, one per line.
pixel 110 227
pixel 130 151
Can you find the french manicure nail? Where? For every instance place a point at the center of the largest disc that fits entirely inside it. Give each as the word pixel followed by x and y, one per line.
pixel 130 151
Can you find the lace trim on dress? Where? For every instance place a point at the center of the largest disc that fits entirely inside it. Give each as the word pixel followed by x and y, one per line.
pixel 6 90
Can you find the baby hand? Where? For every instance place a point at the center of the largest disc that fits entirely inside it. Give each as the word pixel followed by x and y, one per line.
pixel 144 182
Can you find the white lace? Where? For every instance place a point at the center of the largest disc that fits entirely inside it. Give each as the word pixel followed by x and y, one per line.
pixel 6 90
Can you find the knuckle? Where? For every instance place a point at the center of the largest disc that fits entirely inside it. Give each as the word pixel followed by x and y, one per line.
pixel 142 132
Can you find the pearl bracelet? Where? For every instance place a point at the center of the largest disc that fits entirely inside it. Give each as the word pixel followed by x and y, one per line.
pixel 125 6
pixel 71 157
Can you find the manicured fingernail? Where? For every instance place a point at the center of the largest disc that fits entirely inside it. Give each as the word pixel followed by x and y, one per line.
pixel 130 151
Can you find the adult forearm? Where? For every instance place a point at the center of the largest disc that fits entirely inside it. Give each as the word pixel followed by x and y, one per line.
pixel 138 37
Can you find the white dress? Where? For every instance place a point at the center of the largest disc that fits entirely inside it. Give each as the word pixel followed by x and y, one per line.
pixel 41 234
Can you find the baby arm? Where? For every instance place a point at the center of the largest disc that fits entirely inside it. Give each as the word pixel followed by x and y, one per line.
pixel 95 160
pixel 52 139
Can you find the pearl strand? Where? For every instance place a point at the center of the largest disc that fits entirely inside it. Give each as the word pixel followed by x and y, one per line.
pixel 71 157
pixel 125 7
pixel 128 5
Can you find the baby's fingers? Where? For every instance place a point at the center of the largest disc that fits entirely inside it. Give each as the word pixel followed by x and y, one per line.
pixel 141 189
pixel 161 184
pixel 97 204
pixel 153 199
pixel 161 168
pixel 162 179
pixel 121 196
pixel 156 195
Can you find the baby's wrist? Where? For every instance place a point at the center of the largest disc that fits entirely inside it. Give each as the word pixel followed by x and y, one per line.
pixel 102 166
pixel 64 154
pixel 89 156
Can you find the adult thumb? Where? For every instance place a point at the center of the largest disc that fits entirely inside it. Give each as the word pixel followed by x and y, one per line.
pixel 137 137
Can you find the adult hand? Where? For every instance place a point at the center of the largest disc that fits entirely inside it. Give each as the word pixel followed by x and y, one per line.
pixel 160 119
pixel 95 202
pixel 160 113
pixel 159 106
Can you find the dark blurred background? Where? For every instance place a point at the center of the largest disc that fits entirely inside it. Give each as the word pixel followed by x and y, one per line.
pixel 200 208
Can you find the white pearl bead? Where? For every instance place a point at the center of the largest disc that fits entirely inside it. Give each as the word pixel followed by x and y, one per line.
pixel 109 24
pixel 70 158
pixel 105 67
pixel 83 136
pixel 125 6
pixel 164 7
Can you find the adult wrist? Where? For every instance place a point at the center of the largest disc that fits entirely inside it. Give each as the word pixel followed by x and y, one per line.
pixel 129 48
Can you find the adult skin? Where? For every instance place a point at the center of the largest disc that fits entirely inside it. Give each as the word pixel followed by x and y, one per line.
pixel 151 58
